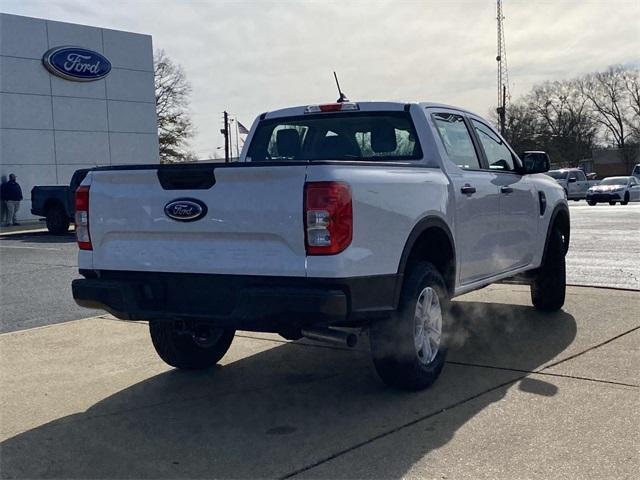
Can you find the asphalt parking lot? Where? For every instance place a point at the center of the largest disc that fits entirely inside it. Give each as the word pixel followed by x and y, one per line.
pixel 524 394
pixel 605 245
pixel 37 268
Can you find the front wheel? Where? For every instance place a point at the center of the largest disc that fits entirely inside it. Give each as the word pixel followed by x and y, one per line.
pixel 592 203
pixel 549 286
pixel 612 203
pixel 192 347
pixel 408 349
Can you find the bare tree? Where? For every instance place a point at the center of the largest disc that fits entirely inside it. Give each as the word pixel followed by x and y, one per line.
pixel 172 102
pixel 607 95
pixel 522 127
pixel 632 85
pixel 564 126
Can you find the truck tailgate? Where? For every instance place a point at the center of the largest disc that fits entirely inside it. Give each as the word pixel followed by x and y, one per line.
pixel 253 224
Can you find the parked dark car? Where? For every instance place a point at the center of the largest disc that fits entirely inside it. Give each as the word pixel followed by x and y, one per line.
pixel 57 203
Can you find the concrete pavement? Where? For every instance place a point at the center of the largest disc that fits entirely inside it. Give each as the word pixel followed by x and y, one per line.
pixel 524 395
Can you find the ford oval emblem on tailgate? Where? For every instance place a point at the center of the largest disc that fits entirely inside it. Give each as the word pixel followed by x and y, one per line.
pixel 185 209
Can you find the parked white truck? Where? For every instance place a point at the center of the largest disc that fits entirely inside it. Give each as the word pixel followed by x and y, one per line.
pixel 574 182
pixel 337 217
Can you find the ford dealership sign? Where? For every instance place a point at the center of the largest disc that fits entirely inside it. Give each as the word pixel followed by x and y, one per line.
pixel 75 63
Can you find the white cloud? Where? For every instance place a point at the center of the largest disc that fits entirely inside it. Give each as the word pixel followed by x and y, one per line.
pixel 249 57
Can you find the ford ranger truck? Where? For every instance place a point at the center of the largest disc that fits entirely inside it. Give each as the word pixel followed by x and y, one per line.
pixel 337 217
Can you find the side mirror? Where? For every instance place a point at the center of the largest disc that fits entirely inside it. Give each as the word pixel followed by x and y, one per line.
pixel 535 162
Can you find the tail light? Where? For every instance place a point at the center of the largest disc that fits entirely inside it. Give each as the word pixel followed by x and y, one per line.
pixel 82 218
pixel 328 217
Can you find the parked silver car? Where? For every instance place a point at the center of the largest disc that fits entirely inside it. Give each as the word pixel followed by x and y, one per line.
pixel 573 180
pixel 615 189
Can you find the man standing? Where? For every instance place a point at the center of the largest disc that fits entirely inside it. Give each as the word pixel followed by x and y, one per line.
pixel 12 195
pixel 3 204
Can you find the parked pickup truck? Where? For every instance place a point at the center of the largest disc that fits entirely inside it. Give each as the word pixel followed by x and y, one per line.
pixel 337 217
pixel 57 203
pixel 573 181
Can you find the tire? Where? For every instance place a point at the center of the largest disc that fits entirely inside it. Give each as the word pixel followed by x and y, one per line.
pixel 592 203
pixel 397 359
pixel 626 199
pixel 57 220
pixel 186 349
pixel 612 203
pixel 550 283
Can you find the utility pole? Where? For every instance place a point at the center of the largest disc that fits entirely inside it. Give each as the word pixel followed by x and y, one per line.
pixel 226 137
pixel 503 72
pixel 237 140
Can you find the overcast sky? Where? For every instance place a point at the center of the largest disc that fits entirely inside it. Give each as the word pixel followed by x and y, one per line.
pixel 250 57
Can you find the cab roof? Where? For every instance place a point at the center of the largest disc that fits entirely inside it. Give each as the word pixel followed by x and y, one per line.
pixel 364 106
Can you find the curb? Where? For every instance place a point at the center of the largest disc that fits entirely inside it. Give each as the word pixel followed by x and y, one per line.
pixel 622 289
pixel 19 232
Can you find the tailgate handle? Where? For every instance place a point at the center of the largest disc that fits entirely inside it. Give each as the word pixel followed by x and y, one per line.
pixel 186 177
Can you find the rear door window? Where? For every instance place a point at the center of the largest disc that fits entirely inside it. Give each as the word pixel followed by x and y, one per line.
pixel 457 140
pixel 364 136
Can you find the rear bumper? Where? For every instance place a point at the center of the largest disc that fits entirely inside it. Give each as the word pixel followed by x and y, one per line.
pixel 243 302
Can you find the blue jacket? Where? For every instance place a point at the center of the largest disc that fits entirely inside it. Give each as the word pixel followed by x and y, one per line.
pixel 11 191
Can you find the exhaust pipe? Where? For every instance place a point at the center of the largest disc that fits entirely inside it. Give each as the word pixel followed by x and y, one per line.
pixel 331 336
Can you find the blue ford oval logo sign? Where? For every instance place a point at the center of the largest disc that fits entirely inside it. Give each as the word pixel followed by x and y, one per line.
pixel 185 209
pixel 75 63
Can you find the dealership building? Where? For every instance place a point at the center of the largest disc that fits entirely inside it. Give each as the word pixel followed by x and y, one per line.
pixel 72 96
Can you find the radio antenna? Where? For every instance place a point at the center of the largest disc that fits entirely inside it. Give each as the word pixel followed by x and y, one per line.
pixel 343 98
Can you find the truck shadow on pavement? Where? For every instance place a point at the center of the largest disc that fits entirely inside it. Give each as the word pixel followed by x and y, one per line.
pixel 295 409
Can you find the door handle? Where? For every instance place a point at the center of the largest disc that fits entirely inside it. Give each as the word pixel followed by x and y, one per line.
pixel 468 189
pixel 506 190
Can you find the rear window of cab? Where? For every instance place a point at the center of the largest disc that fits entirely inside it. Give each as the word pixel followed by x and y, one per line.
pixel 353 136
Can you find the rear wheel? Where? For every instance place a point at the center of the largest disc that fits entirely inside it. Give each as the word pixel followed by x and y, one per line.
pixel 550 283
pixel 626 199
pixel 186 346
pixel 612 203
pixel 591 202
pixel 408 349
pixel 57 220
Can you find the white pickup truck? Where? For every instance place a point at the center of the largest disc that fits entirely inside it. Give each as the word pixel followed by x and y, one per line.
pixel 337 217
pixel 573 181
